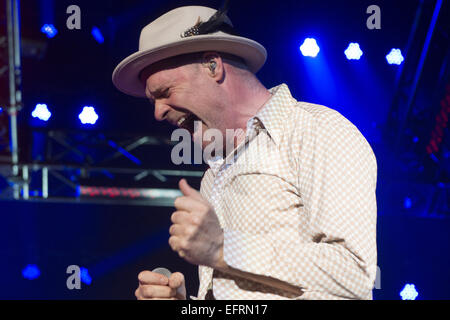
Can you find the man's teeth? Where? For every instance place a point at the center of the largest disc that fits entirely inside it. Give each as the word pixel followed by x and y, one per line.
pixel 180 122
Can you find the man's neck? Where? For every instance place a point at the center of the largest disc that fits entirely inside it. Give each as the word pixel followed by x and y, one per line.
pixel 245 107
pixel 246 101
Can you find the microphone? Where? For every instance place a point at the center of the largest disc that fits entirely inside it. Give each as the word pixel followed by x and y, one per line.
pixel 163 271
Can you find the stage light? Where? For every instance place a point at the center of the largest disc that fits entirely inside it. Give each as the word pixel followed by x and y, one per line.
pixel 97 34
pixel 41 112
pixel 394 57
pixel 407 203
pixel 1 110
pixel 31 272
pixel 409 292
pixel 88 115
pixel 84 275
pixel 353 51
pixel 309 48
pixel 49 30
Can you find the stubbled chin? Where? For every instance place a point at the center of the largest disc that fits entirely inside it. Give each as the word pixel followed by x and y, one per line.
pixel 199 139
pixel 197 136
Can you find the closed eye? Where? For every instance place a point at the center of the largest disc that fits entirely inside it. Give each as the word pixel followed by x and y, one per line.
pixel 165 93
pixel 157 94
pixel 160 94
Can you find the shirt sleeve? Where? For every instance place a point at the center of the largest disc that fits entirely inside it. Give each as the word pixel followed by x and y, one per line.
pixel 337 176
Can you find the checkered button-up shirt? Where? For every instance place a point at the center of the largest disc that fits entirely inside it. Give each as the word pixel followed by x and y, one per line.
pixel 297 203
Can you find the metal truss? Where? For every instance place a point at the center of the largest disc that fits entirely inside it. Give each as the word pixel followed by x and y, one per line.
pixel 60 183
pixel 67 161
pixel 61 165
pixel 12 39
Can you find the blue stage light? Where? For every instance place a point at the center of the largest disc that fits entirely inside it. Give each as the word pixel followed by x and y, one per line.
pixel 31 272
pixel 97 34
pixel 84 275
pixel 394 57
pixel 88 115
pixel 407 203
pixel 353 51
pixel 41 112
pixel 409 292
pixel 49 30
pixel 309 48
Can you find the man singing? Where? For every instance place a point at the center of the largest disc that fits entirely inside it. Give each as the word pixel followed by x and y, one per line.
pixel 295 221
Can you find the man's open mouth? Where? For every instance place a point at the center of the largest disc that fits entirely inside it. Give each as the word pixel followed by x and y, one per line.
pixel 187 122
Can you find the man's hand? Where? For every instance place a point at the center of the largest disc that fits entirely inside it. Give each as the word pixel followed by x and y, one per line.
pixel 155 286
pixel 196 233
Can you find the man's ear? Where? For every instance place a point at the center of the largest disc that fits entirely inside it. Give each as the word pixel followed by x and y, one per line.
pixel 213 64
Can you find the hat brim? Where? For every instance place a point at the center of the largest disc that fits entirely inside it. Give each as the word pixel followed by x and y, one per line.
pixel 126 75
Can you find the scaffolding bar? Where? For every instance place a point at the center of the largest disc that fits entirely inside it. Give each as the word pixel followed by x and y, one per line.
pixel 15 82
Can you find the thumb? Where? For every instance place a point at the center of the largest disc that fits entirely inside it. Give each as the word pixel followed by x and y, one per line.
pixel 188 191
pixel 176 281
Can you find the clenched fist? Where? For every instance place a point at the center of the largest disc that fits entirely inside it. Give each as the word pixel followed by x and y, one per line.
pixel 156 286
pixel 196 233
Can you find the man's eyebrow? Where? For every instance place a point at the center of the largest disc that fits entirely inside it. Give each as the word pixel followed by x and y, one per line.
pixel 158 91
pixel 151 94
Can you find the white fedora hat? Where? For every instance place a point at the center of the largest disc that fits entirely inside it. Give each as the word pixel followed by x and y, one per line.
pixel 176 33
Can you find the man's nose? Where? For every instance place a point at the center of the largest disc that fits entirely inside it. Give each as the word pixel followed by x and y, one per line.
pixel 161 111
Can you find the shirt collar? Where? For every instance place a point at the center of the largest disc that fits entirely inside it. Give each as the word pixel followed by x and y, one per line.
pixel 215 163
pixel 274 113
pixel 271 117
